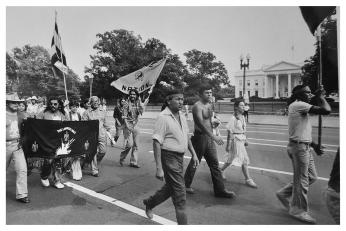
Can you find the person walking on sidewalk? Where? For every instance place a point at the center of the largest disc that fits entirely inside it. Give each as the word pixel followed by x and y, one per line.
pixel 294 196
pixel 203 142
pixel 14 150
pixel 236 142
pixel 170 143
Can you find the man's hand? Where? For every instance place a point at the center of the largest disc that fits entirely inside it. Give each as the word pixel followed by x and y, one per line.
pixel 195 161
pixel 320 92
pixel 218 140
pixel 318 149
pixel 159 174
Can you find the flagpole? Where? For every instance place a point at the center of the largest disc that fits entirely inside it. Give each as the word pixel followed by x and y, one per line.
pixel 319 81
pixel 56 21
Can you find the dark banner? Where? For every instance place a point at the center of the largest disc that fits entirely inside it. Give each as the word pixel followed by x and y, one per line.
pixel 314 15
pixel 57 139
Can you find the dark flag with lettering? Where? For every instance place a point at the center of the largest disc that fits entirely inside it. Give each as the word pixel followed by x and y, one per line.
pixel 58 58
pixel 58 139
pixel 314 15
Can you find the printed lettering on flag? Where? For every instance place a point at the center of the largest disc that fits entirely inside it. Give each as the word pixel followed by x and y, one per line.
pixel 56 139
pixel 141 80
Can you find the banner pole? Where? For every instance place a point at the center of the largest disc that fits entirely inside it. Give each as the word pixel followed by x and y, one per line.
pixel 319 37
pixel 65 86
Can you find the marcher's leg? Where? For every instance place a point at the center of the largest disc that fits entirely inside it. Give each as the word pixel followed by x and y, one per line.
pixel 213 163
pixel 9 150
pixel 57 173
pixel 101 148
pixel 174 177
pixel 46 169
pixel 301 159
pixel 285 193
pixel 128 143
pixel 199 145
pixel 223 168
pixel 94 168
pixel 21 172
pixel 134 153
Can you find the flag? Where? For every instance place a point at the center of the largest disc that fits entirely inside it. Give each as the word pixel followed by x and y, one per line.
pixel 56 139
pixel 314 15
pixel 58 58
pixel 141 80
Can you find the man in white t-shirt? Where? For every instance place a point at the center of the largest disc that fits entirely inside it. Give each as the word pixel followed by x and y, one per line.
pixel 294 195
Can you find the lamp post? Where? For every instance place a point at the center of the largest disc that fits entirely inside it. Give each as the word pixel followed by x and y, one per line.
pixel 244 66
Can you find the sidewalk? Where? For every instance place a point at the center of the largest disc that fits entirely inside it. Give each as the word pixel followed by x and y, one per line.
pixel 327 121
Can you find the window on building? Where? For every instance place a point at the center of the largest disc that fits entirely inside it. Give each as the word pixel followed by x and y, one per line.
pixel 248 93
pixel 256 82
pixel 256 93
pixel 240 94
pixel 248 82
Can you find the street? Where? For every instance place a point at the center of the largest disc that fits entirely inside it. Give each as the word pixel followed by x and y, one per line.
pixel 116 196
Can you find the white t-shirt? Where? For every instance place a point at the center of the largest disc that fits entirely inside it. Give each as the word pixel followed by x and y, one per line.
pixel 299 125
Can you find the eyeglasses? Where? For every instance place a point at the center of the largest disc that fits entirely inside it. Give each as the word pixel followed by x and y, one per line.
pixel 54 104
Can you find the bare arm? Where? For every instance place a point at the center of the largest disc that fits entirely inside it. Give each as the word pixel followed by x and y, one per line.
pixel 157 156
pixel 324 109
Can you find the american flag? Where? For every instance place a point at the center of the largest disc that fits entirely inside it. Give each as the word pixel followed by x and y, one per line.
pixel 58 58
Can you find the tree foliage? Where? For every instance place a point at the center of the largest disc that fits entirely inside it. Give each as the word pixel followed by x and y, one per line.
pixel 330 78
pixel 29 73
pixel 204 68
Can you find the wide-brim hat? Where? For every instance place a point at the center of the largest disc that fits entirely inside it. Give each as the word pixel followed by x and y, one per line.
pixel 13 97
pixel 34 97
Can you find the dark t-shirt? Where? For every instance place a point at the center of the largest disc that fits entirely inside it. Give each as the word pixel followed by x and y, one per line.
pixel 334 180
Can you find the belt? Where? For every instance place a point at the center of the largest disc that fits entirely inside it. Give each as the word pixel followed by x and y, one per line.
pixel 12 141
pixel 178 153
pixel 300 142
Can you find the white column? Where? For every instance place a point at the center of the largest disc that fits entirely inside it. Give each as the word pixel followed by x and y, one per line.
pixel 289 85
pixel 265 86
pixel 277 86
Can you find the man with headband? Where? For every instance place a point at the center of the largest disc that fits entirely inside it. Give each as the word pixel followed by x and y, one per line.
pixel 294 196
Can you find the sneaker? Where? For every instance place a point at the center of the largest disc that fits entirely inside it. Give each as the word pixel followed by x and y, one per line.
pixel 59 185
pixel 284 201
pixel 148 211
pixel 95 174
pixel 23 200
pixel 190 191
pixel 305 217
pixel 251 183
pixel 45 183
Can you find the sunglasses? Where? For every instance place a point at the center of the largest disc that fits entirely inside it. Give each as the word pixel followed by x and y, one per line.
pixel 54 104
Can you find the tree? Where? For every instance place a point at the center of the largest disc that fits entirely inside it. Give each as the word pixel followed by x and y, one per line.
pixel 329 60
pixel 31 68
pixel 120 52
pixel 204 68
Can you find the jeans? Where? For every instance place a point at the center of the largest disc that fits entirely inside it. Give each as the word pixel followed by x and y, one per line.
pixel 304 174
pixel 172 165
pixel 333 204
pixel 130 144
pixel 101 152
pixel 17 155
pixel 205 147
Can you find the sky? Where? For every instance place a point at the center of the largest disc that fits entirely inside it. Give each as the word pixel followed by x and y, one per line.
pixel 266 33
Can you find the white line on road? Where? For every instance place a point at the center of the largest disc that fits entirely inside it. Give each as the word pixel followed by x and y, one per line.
pixel 123 205
pixel 262 144
pixel 261 169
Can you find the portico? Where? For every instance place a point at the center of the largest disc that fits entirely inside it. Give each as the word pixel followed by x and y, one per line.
pixel 270 81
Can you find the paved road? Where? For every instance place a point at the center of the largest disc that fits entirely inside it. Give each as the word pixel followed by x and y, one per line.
pixel 116 196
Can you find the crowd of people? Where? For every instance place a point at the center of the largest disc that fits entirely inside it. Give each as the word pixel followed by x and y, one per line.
pixel 171 142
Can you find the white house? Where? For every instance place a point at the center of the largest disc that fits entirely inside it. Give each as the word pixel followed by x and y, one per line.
pixel 275 80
